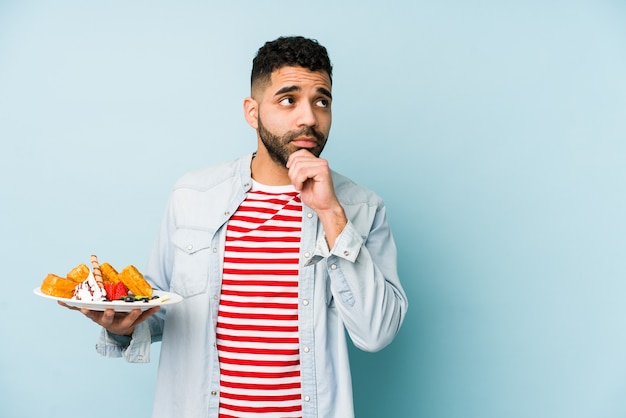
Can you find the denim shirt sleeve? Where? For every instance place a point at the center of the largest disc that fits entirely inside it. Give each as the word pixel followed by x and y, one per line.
pixel 135 349
pixel 347 246
pixel 364 282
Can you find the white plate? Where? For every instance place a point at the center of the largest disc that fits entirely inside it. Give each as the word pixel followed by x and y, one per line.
pixel 165 298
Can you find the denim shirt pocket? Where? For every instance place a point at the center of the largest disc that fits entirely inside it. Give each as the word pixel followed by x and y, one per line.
pixel 190 275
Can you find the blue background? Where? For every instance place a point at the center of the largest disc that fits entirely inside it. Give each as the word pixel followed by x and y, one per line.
pixel 494 130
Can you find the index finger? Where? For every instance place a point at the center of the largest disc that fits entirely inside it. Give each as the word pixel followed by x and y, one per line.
pixel 301 153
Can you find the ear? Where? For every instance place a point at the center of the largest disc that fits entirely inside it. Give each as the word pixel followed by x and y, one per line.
pixel 251 112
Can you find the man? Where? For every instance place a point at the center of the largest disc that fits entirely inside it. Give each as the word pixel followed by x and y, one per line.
pixel 276 256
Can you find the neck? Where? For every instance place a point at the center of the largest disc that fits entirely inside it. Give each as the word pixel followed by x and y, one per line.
pixel 267 171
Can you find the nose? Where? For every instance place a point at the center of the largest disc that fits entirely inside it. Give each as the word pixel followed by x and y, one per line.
pixel 306 115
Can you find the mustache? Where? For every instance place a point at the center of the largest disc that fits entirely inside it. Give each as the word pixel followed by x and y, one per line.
pixel 306 131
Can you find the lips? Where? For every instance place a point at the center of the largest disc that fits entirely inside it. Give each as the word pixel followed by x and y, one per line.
pixel 305 142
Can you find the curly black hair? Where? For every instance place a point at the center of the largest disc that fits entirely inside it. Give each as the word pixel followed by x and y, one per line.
pixel 296 51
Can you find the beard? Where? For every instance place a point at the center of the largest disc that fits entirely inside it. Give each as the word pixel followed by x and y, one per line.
pixel 279 147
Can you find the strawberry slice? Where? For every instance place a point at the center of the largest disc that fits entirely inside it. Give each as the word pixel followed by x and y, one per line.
pixel 109 288
pixel 120 291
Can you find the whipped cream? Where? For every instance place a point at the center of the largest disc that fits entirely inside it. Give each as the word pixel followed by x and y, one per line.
pixel 89 290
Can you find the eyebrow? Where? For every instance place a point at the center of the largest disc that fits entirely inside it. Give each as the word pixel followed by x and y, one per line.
pixel 289 89
pixel 325 92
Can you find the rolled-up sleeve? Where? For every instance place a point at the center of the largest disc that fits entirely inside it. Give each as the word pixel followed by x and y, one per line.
pixel 135 349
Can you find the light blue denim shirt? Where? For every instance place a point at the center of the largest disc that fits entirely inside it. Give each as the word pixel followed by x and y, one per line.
pixel 353 286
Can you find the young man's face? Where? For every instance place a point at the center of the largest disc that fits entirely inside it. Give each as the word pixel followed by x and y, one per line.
pixel 294 112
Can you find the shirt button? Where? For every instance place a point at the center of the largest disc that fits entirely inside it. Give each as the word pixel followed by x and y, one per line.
pixel 305 302
pixel 346 253
pixel 309 215
pixel 333 266
pixel 307 398
pixel 213 392
pixel 214 250
pixel 215 297
pixel 307 254
pixel 306 349
pixel 190 247
pixel 227 213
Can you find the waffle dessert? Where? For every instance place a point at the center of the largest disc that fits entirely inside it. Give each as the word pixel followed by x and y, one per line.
pixel 101 282
pixel 57 286
pixel 135 282
pixel 109 274
pixel 78 273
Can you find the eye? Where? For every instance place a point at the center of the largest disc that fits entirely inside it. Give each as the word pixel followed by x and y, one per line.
pixel 287 101
pixel 323 103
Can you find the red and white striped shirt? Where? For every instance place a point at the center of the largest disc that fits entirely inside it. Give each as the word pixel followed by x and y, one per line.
pixel 257 328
